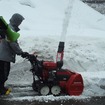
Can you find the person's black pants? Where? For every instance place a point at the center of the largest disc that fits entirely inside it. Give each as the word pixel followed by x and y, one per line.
pixel 4 72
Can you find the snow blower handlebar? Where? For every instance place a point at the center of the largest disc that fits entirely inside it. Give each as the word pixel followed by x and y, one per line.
pixel 36 67
pixel 32 58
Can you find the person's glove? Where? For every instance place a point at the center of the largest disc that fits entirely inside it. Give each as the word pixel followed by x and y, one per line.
pixel 24 54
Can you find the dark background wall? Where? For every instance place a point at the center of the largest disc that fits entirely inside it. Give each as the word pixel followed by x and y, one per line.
pixel 94 1
pixel 98 5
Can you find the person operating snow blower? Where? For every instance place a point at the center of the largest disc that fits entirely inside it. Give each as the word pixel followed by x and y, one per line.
pixel 8 49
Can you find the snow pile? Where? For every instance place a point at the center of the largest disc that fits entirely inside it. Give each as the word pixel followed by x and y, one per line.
pixel 40 33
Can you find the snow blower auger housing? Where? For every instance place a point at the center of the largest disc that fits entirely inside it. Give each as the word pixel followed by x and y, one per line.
pixel 50 78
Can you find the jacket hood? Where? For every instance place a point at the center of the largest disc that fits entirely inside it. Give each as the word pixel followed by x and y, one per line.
pixel 16 19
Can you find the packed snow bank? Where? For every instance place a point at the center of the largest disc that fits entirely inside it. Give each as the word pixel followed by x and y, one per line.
pixel 40 33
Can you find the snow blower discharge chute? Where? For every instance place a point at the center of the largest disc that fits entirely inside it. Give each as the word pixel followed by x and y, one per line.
pixel 50 78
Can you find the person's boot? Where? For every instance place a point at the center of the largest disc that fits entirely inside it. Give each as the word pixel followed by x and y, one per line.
pixel 4 90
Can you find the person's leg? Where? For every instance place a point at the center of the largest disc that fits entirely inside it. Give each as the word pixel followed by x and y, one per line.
pixel 1 74
pixel 4 72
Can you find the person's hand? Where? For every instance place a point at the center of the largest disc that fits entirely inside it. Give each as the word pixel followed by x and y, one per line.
pixel 24 54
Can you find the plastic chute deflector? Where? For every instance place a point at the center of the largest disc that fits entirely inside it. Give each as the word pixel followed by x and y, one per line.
pixel 11 35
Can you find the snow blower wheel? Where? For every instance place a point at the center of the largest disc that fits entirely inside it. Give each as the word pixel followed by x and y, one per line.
pixel 56 90
pixel 44 90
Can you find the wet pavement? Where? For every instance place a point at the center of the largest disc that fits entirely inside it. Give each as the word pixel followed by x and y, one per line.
pixel 24 95
pixel 91 101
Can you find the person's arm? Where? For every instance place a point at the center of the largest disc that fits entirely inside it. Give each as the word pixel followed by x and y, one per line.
pixel 15 47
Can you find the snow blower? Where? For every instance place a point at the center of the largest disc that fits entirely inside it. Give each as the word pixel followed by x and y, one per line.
pixel 50 78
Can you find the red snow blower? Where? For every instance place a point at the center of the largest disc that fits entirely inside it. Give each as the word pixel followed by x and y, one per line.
pixel 50 78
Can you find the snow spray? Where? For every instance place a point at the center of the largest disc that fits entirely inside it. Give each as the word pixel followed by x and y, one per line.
pixel 60 52
pixel 67 17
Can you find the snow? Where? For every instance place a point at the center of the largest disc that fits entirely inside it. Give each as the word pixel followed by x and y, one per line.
pixel 41 33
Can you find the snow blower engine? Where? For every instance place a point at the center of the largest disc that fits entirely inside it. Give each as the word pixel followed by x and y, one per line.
pixel 50 78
